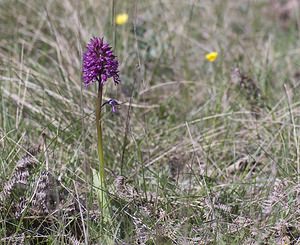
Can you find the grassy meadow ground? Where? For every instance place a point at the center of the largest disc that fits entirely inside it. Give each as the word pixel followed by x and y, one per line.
pixel 198 153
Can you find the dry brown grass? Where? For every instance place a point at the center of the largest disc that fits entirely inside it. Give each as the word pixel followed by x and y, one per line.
pixel 191 157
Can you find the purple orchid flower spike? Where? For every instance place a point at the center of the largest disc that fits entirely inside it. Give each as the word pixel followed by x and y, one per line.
pixel 113 103
pixel 99 63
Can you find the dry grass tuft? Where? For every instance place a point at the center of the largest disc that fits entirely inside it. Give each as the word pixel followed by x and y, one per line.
pixel 41 195
pixel 277 196
pixel 250 90
pixel 40 203
pixel 14 239
pixel 19 178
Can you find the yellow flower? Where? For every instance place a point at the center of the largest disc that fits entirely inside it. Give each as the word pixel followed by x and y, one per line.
pixel 121 19
pixel 212 56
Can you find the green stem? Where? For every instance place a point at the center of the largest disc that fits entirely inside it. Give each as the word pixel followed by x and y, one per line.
pixel 103 200
pixel 104 203
pixel 99 134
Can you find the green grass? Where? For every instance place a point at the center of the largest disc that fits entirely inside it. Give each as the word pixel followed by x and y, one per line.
pixel 175 139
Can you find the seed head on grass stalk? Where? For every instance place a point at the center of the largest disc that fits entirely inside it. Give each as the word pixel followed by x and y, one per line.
pixel 100 64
